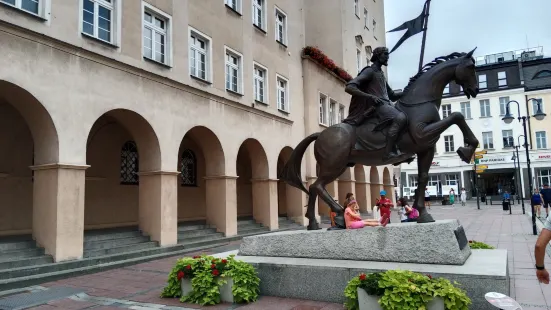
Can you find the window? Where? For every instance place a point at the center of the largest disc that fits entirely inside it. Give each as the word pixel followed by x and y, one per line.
pixel 448 144
pixel 482 83
pixel 129 164
pixel 281 27
pixel 535 105
pixel 451 179
pixel 366 25
pixel 544 177
pixel 199 55
pixel 488 140
pixel 258 13
pixel 234 5
pixel 359 60
pixel 30 6
pixel 434 180
pixel 508 140
pixel 374 26
pixel 155 36
pixel 413 181
pixel 541 139
pixel 323 109
pixel 282 94
pixel 341 113
pixel 446 110
pixel 356 8
pixel 260 84
pixel 333 106
pixel 447 89
pixel 542 74
pixel 503 105
pixel 502 79
pixel 466 109
pixel 233 71
pixel 485 108
pixel 97 19
pixel 188 164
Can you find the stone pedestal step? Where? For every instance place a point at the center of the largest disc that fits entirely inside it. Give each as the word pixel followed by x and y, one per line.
pixel 121 249
pixel 112 243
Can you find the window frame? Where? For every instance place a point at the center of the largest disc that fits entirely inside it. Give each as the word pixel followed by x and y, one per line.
pixel 485 82
pixel 466 106
pixel 239 56
pixel 486 105
pixel 287 94
pixel 503 105
pixel 341 115
pixel 44 8
pixel 238 6
pixel 285 39
pixel 323 109
pixel 136 177
pixel 491 136
pixel 116 12
pixel 266 83
pixel 445 107
pixel 148 8
pixel 359 59
pixel 333 109
pixel 264 25
pixel 446 89
pixel 449 144
pixel 499 80
pixel 535 105
pixel 539 140
pixel 194 162
pixel 542 176
pixel 208 59
pixel 357 8
pixel 366 18
pixel 374 27
pixel 508 137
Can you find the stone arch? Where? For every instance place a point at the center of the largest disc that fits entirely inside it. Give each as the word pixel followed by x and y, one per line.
pixel 361 187
pixel 202 144
pixel 290 200
pixel 374 184
pixel 388 184
pixel 254 197
pixel 109 202
pixel 28 137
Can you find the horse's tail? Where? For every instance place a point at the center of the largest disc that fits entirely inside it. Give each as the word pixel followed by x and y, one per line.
pixel 291 171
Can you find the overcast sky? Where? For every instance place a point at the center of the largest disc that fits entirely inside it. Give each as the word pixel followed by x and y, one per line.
pixel 459 25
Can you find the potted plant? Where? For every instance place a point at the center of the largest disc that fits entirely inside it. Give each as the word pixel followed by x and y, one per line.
pixel 403 289
pixel 476 245
pixel 207 280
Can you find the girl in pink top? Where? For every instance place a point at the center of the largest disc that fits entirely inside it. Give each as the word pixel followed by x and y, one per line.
pixel 354 220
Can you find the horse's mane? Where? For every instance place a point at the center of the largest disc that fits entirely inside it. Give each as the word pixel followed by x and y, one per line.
pixel 430 65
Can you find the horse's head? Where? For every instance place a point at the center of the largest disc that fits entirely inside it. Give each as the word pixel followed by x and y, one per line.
pixel 465 75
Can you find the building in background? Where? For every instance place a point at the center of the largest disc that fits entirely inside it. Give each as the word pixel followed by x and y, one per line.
pixel 157 114
pixel 518 75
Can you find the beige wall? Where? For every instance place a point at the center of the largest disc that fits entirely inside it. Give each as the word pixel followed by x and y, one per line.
pixel 544 125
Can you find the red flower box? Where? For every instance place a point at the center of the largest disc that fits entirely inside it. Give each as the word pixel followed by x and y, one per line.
pixel 318 56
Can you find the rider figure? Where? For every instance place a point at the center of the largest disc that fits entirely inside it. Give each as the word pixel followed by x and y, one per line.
pixel 371 93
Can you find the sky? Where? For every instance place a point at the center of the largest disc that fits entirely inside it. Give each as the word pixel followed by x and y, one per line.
pixel 492 26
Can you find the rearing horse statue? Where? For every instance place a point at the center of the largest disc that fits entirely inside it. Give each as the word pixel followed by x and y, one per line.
pixel 337 147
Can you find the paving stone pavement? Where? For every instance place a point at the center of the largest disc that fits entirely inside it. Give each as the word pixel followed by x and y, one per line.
pixel 138 287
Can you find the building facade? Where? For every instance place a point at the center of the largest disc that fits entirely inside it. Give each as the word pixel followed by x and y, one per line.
pixel 159 112
pixel 519 76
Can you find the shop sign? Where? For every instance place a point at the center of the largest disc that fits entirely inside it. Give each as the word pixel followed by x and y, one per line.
pixel 548 156
pixel 435 163
pixel 493 160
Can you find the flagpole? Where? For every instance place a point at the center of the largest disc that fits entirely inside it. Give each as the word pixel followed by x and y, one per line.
pixel 424 35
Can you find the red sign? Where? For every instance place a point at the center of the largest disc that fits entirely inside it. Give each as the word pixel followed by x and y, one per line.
pixel 435 163
pixel 544 157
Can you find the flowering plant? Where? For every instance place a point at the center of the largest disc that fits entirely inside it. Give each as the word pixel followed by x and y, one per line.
pixel 404 289
pixel 207 274
pixel 480 245
pixel 317 55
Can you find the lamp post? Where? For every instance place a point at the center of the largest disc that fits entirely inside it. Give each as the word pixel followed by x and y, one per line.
pixel 508 119
pixel 521 188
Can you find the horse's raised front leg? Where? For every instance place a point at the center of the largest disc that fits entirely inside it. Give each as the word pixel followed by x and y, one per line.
pixel 471 142
pixel 424 162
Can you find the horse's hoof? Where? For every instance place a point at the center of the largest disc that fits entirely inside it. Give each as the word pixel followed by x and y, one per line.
pixel 425 218
pixel 465 154
pixel 313 226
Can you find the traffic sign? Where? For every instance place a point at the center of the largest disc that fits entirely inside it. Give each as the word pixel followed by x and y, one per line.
pixel 480 171
pixel 482 167
pixel 481 152
pixel 479 156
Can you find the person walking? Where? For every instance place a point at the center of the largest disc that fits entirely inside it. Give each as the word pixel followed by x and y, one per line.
pixel 427 198
pixel 452 196
pixel 539 252
pixel 546 194
pixel 463 197
pixel 536 201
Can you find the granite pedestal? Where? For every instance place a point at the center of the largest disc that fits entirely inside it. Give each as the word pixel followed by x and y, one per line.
pixel 431 243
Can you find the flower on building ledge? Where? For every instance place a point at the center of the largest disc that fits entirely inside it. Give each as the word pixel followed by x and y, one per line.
pixel 318 56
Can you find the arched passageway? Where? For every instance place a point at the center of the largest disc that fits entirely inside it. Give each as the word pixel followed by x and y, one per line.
pixel 289 199
pixel 362 191
pixel 375 185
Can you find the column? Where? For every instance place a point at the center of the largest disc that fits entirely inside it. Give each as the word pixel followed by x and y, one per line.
pixel 310 181
pixel 221 200
pixel 345 186
pixel 363 196
pixel 265 202
pixel 58 209
pixel 158 206
pixel 296 202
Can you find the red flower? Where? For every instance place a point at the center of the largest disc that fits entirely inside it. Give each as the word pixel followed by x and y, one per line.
pixel 430 277
pixel 188 267
pixel 196 257
pixel 213 266
pixel 180 275
pixel 362 277
pixel 215 272
pixel 214 261
pixel 224 261
pixel 470 241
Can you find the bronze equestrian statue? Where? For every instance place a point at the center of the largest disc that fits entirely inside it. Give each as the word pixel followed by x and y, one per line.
pixel 378 133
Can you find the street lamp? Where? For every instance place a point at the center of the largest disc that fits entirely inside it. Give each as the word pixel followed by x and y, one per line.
pixel 508 119
pixel 521 188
